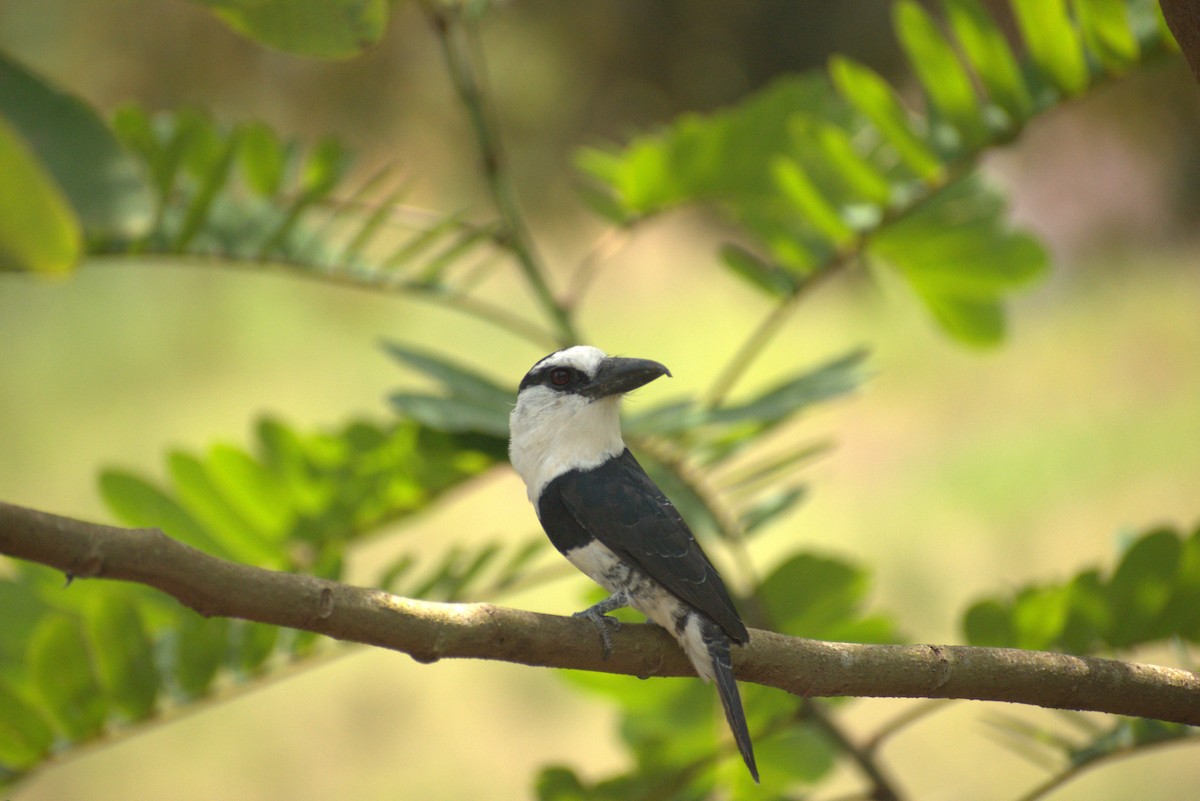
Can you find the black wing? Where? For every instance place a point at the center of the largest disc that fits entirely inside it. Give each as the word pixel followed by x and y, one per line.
pixel 618 505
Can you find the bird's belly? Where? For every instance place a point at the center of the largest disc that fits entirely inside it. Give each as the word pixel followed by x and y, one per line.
pixel 647 596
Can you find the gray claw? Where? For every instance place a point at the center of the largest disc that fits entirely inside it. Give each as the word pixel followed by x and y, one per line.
pixel 602 623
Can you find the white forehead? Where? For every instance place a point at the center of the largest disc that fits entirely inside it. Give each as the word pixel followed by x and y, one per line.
pixel 581 357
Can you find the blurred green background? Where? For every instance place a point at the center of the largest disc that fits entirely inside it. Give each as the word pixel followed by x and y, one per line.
pixel 955 473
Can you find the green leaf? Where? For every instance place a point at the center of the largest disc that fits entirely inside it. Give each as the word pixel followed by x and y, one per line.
pixel 1054 43
pixel 252 645
pixel 255 494
pixel 989 624
pixel 805 198
pixel 813 596
pixel 767 277
pixel 472 403
pixel 940 71
pixel 987 50
pixel 1142 585
pixel 60 671
pixel 960 259
pixel 202 497
pixel 105 186
pixel 25 735
pixel 864 89
pixel 817 385
pixel 142 505
pixel 124 655
pixel 1107 32
pixel 263 158
pixel 200 650
pixel 457 380
pixel 326 29
pixel 833 146
pixel 38 230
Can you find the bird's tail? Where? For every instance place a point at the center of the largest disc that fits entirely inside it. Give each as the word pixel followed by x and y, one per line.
pixel 717 644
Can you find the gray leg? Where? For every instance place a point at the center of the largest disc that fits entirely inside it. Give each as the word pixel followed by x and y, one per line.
pixel 598 614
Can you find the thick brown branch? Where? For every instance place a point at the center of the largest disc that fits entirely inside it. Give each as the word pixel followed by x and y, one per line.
pixel 431 631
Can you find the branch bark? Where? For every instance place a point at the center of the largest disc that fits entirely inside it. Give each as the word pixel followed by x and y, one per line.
pixel 429 631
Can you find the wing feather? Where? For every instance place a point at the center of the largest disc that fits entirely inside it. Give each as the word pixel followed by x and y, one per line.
pixel 621 507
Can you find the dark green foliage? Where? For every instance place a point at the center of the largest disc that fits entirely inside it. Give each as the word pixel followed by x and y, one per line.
pixel 1152 595
pixel 76 660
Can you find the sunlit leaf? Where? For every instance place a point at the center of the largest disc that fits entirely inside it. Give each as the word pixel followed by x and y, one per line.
pixel 868 92
pixel 987 50
pixel 1054 43
pixel 137 503
pixel 1105 25
pixel 940 71
pixel 38 229
pixel 104 185
pixel 328 29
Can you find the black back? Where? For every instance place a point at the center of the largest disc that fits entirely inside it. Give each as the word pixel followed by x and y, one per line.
pixel 618 505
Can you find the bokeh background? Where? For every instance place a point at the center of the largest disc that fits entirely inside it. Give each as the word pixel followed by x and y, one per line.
pixel 955 473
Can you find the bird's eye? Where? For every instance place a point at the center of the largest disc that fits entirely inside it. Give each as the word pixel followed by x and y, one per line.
pixel 560 376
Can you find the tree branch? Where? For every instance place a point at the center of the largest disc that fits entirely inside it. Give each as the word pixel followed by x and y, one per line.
pixel 431 631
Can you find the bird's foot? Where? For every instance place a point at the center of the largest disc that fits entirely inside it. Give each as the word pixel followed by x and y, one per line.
pixel 602 621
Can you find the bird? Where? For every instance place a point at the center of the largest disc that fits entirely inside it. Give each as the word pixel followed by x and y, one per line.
pixel 610 520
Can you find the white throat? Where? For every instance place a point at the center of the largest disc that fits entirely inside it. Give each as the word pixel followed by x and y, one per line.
pixel 551 433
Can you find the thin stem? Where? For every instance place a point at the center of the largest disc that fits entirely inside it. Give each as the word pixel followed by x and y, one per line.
pixel 883 788
pixel 458 38
pixel 766 330
pixel 499 316
pixel 1073 771
pixel 903 720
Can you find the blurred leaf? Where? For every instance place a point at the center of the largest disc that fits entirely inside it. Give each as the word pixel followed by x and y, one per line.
pixel 868 92
pixel 1105 25
pixel 252 644
pixel 326 29
pixel 38 230
pixel 768 508
pixel 471 402
pixel 25 735
pixel 254 493
pixel 263 158
pixel 139 504
pixel 940 71
pixel 987 50
pixel 806 199
pixel 210 505
pixel 1053 42
pixel 758 273
pixel 960 259
pixel 1151 596
pixel 832 144
pixel 1142 585
pixel 831 380
pixel 104 185
pixel 124 655
pixel 815 597
pixel 200 649
pixel 60 671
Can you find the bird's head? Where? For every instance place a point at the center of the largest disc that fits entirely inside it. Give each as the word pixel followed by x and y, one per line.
pixel 567 416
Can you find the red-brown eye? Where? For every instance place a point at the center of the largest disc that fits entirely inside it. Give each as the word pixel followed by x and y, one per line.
pixel 560 376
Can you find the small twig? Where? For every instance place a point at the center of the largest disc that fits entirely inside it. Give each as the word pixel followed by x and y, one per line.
pixel 1073 771
pixel 882 786
pixel 458 38
pixel 378 280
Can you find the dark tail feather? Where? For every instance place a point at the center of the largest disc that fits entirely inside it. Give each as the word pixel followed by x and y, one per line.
pixel 718 649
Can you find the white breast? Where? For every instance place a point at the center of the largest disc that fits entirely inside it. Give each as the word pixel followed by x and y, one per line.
pixel 552 433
